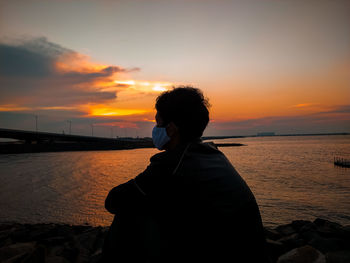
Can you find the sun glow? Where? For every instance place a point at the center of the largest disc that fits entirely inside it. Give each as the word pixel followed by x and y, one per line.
pixel 125 82
pixel 146 85
pixel 109 111
pixel 159 88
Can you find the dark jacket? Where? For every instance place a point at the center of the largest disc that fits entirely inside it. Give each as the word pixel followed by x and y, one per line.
pixel 201 209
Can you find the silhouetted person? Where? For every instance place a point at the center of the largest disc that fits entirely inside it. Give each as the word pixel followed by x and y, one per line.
pixel 190 204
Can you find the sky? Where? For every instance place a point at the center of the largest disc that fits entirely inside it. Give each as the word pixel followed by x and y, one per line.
pixel 278 66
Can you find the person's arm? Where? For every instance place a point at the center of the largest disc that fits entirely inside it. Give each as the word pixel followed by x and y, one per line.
pixel 134 194
pixel 127 196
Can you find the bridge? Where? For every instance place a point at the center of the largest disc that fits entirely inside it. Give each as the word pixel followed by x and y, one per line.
pixel 33 141
pixel 35 136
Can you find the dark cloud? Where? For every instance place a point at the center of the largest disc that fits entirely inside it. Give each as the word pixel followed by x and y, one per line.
pixel 28 74
pixel 326 122
pixel 339 109
pixel 35 57
pixel 16 61
pixel 86 77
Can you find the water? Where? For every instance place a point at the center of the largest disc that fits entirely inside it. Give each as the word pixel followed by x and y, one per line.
pixel 291 177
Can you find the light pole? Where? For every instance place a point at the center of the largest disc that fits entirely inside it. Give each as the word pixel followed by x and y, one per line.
pixel 70 127
pixel 92 129
pixel 112 132
pixel 36 123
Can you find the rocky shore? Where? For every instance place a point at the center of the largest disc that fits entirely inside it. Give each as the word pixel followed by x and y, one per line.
pixel 300 241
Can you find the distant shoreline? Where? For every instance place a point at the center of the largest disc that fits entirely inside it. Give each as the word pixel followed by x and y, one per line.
pixel 42 144
pixel 13 148
pixel 276 135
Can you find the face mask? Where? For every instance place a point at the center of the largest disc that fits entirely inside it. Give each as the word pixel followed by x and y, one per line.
pixel 160 137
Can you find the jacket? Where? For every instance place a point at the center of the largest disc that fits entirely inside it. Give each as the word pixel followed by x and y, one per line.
pixel 202 208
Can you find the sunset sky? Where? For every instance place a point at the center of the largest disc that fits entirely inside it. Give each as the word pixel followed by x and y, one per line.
pixel 277 65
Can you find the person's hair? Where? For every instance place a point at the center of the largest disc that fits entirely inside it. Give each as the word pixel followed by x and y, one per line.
pixel 187 108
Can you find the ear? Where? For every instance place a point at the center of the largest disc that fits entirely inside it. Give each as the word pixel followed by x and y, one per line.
pixel 172 130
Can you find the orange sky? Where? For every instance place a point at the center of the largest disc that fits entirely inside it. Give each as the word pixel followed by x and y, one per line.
pixel 264 65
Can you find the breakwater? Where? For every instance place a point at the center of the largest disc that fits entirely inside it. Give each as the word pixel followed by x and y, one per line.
pixel 299 241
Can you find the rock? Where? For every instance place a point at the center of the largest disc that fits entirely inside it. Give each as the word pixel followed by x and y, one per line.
pixel 5 242
pixel 323 222
pixel 338 256
pixel 308 232
pixel 87 238
pixel 5 226
pixel 80 229
pixel 327 244
pixel 37 256
pixel 55 250
pixel 292 241
pixel 285 230
pixel 98 244
pixel 69 252
pixel 16 250
pixel 84 255
pixel 5 233
pixel 61 243
pixel 16 259
pixel 56 259
pixel 37 232
pixel 20 234
pixel 275 249
pixel 96 257
pixel 299 224
pixel 66 231
pixel 331 229
pixel 53 241
pixel 305 254
pixel 272 233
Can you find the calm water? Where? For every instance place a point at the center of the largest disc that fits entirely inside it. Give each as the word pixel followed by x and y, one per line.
pixel 291 177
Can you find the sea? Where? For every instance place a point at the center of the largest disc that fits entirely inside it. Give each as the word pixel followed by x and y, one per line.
pixel 292 178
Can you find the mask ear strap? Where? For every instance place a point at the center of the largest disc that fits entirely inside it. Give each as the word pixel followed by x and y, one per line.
pixel 138 187
pixel 182 156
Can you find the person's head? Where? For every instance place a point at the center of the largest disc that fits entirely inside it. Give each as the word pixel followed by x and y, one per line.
pixel 183 111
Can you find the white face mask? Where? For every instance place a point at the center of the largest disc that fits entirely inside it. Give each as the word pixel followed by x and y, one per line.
pixel 160 137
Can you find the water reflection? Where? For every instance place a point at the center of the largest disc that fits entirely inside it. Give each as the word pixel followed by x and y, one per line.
pixel 291 177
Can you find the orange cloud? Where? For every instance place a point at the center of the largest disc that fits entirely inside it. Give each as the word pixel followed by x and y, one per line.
pixel 11 107
pixel 302 105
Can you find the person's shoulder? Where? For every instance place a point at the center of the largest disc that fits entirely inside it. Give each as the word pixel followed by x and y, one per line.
pixel 205 147
pixel 159 157
pixel 165 158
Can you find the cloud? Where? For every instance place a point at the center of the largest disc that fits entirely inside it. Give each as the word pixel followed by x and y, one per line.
pixel 56 84
pixel 303 105
pixel 37 72
pixel 336 119
pixel 339 109
pixel 17 61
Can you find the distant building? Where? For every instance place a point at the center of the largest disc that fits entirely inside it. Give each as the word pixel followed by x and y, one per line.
pixel 265 134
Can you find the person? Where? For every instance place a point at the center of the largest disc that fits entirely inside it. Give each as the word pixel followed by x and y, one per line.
pixel 189 204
